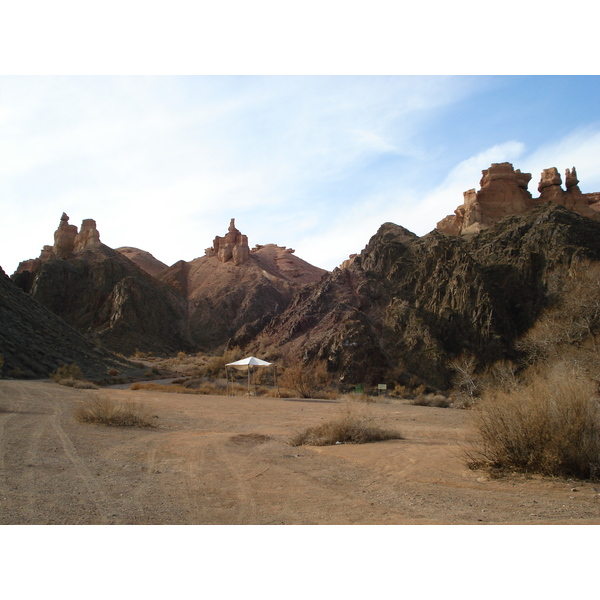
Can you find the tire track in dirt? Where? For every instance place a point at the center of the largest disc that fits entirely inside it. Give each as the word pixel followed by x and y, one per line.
pixel 210 470
pixel 38 428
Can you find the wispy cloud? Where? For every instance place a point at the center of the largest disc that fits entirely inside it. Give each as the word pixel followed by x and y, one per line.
pixel 317 163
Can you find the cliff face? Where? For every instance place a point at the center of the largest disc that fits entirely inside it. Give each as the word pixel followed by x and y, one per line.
pixel 406 305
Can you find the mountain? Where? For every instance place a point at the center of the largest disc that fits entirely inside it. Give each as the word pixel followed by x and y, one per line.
pixel 127 300
pixel 406 305
pixel 34 342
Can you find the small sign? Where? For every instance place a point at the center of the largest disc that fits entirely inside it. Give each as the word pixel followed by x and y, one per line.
pixel 381 386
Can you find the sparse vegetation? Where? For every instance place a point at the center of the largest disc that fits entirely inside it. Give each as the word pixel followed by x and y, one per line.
pixel 71 371
pixel 354 425
pixel 79 384
pixel 202 389
pixel 105 411
pixel 307 381
pixel 436 400
pixel 551 425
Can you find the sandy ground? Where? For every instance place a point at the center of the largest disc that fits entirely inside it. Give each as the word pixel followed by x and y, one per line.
pixel 221 460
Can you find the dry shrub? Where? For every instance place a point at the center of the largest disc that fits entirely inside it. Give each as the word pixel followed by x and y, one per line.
pixel 104 411
pixel 354 425
pixel 436 400
pixel 203 389
pixel 71 371
pixel 306 380
pixel 550 426
pixel 571 321
pixel 79 384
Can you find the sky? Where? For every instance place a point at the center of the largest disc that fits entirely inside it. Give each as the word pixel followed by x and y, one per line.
pixel 315 163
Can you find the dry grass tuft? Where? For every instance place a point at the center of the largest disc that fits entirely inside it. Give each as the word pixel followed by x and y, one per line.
pixel 206 389
pixel 354 425
pixel 104 411
pixel 549 426
pixel 79 384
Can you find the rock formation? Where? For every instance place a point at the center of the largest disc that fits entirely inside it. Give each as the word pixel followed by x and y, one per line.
pixel 64 237
pixel 87 236
pixel 234 246
pixel 503 192
pixel 67 241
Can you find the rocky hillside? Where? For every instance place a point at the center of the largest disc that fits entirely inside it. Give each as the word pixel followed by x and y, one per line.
pixel 407 305
pixel 101 293
pixel 233 294
pixel 144 260
pixel 34 342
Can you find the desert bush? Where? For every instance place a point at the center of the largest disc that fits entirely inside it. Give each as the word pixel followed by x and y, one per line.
pixel 464 380
pixel 436 400
pixel 550 426
pixel 306 380
pixel 215 365
pixel 79 384
pixel 104 411
pixel 354 425
pixel 71 371
pixel 571 319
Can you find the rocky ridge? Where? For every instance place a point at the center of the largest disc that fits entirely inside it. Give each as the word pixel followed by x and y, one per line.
pixel 406 305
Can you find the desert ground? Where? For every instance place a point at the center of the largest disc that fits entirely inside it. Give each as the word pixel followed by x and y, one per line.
pixel 226 460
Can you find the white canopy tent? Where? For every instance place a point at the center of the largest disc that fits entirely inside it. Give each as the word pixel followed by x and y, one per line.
pixel 247 364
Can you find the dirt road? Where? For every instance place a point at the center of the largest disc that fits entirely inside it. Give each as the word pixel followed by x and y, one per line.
pixel 220 460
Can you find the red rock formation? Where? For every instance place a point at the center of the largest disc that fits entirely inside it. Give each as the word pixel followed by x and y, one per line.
pixel 64 237
pixel 503 192
pixel 67 241
pixel 87 236
pixel 234 246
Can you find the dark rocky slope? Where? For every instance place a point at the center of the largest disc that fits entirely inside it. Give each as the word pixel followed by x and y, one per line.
pixel 406 305
pixel 34 342
pixel 99 291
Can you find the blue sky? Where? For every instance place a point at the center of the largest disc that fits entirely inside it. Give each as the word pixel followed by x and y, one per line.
pixel 315 163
